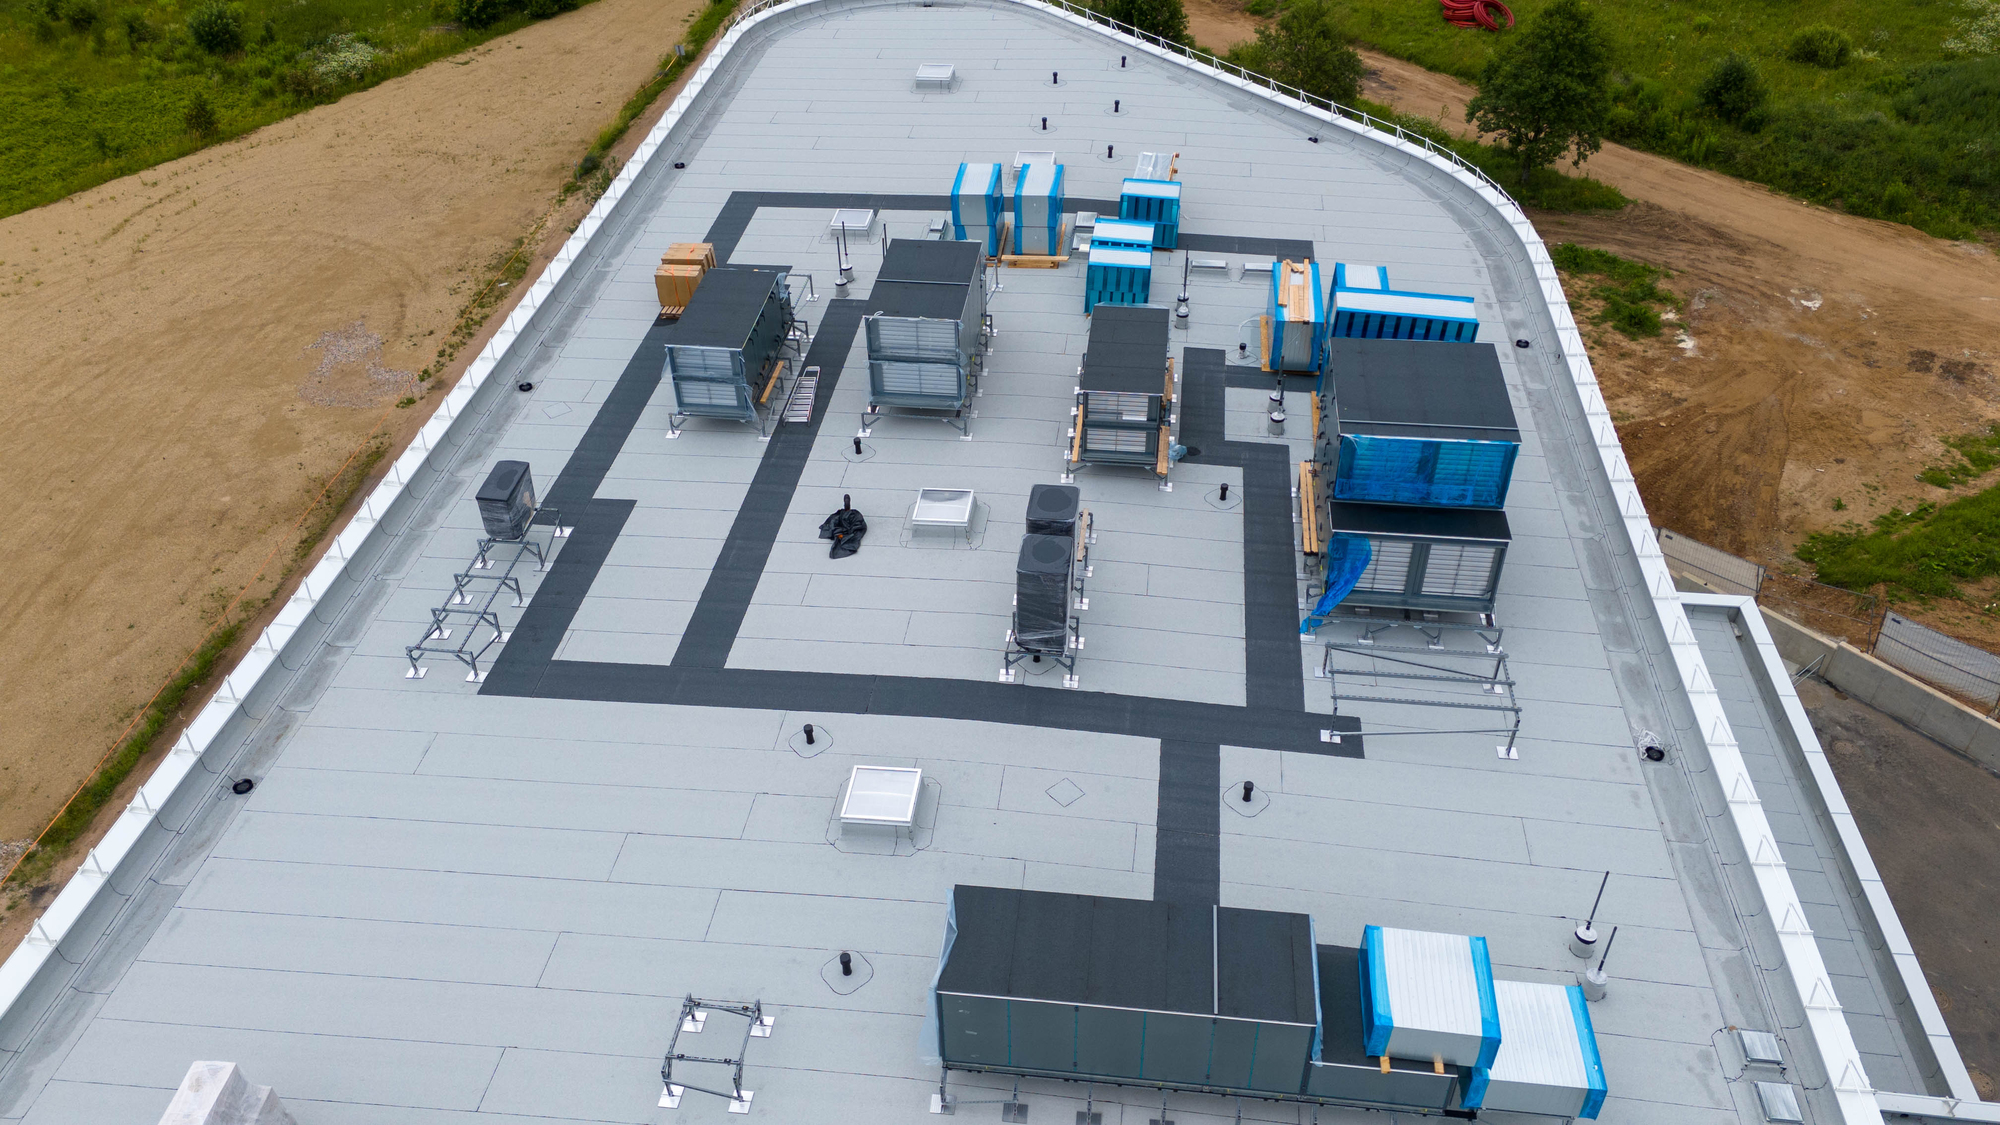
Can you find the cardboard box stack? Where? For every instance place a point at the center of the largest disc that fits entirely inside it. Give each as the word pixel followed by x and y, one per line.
pixel 681 269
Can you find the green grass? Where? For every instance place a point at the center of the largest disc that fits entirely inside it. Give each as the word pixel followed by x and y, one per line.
pixel 1978 453
pixel 1906 130
pixel 106 89
pixel 1925 552
pixel 1629 289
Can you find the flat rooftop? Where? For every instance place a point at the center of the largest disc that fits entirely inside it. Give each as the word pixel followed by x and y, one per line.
pixel 451 902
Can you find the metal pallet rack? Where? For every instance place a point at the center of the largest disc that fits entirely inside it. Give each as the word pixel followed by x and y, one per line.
pixel 474 594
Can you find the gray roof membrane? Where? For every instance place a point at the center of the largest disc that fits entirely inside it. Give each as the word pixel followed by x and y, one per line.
pixel 460 903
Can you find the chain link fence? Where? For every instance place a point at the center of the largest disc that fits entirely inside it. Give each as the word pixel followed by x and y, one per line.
pixel 1964 670
pixel 1939 659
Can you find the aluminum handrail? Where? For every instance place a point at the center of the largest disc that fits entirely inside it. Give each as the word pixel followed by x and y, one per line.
pixel 1222 65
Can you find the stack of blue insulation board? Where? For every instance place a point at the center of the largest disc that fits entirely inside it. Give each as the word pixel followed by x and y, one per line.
pixel 1365 306
pixel 1121 264
pixel 977 206
pixel 1157 202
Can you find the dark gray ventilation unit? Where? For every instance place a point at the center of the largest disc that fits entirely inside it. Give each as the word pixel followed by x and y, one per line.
pixel 507 500
pixel 1423 558
pixel 724 355
pixel 1052 509
pixel 1125 390
pixel 926 328
pixel 1041 593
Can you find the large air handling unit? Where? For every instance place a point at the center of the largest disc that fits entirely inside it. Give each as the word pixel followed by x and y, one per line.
pixel 927 329
pixel 725 355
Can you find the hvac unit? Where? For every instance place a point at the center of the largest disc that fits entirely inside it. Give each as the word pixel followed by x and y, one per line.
pixel 1548 1061
pixel 1427 997
pixel 1433 559
pixel 1117 276
pixel 978 207
pixel 1038 210
pixel 1157 202
pixel 1297 320
pixel 1076 986
pixel 1042 575
pixel 1365 306
pixel 507 500
pixel 1053 509
pixel 925 326
pixel 723 356
pixel 1414 423
pixel 1125 390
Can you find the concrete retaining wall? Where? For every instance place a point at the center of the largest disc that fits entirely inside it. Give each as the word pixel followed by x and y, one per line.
pixel 1892 692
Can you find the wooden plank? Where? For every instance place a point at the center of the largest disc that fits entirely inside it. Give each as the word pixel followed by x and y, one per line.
pixel 1295 291
pixel 1076 442
pixel 1038 261
pixel 1082 533
pixel 1309 509
pixel 777 370
pixel 1167 397
pixel 1264 333
pixel 1166 439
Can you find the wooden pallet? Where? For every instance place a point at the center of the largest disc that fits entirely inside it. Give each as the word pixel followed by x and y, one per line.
pixel 672 312
pixel 1039 261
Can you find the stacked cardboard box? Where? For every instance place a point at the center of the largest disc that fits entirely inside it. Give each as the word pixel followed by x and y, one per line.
pixel 681 269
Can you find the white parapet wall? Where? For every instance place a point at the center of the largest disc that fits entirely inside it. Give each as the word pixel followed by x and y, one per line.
pixel 71 926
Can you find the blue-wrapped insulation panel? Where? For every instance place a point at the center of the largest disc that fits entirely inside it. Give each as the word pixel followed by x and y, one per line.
pixel 1038 210
pixel 1157 202
pixel 1547 1062
pixel 1428 997
pixel 977 206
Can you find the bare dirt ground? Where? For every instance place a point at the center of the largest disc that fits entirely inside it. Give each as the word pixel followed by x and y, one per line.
pixel 1932 819
pixel 1820 357
pixel 193 350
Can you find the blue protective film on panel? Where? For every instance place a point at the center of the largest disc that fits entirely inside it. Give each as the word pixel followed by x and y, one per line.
pixel 1475 1088
pixel 1347 557
pixel 1489 1006
pixel 1376 1020
pixel 1593 1065
pixel 1429 472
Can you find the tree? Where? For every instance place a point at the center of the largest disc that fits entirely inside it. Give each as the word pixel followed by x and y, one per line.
pixel 1307 46
pixel 1548 91
pixel 1733 90
pixel 217 28
pixel 1164 18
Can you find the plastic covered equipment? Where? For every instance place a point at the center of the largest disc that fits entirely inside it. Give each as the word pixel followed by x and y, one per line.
pixel 507 500
pixel 845 527
pixel 1041 589
pixel 1548 1062
pixel 1053 508
pixel 1428 997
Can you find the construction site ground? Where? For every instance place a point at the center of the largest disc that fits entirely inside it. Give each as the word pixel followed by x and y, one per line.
pixel 193 351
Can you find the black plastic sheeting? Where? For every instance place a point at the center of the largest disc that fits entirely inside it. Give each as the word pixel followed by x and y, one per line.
pixel 845 527
pixel 1041 589
pixel 1052 509
pixel 507 500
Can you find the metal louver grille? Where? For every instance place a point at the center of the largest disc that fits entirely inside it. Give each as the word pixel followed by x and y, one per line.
pixel 897 337
pixel 1458 569
pixel 909 377
pixel 1117 441
pixel 1388 568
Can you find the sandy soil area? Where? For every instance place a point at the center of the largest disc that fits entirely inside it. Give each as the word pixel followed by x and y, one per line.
pixel 1821 356
pixel 191 351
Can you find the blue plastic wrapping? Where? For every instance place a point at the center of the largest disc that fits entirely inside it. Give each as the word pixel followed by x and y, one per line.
pixel 1423 471
pixel 1489 1008
pixel 1593 1064
pixel 1157 202
pixel 977 205
pixel 1376 1020
pixel 1347 556
pixel 930 1039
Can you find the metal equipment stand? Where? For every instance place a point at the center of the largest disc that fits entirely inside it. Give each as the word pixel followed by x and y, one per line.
pixel 1424 666
pixel 474 593
pixel 1014 652
pixel 693 1020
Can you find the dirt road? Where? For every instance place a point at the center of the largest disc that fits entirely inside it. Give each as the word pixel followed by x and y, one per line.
pixel 172 414
pixel 1821 356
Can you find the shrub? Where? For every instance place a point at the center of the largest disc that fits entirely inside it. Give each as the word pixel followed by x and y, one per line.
pixel 544 9
pixel 200 118
pixel 80 15
pixel 1733 90
pixel 216 28
pixel 138 29
pixel 482 13
pixel 343 58
pixel 1821 46
pixel 1164 18
pixel 1308 47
